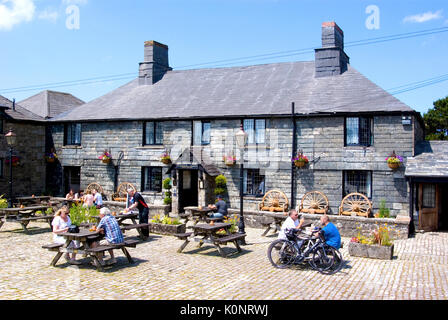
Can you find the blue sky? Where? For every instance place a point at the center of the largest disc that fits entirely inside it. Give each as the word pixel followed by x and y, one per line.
pixel 42 41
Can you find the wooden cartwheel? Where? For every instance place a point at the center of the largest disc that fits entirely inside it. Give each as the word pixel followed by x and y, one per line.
pixel 95 186
pixel 314 202
pixel 274 201
pixel 355 203
pixel 122 191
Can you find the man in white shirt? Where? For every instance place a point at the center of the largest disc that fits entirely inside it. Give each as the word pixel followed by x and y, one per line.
pixel 97 199
pixel 292 222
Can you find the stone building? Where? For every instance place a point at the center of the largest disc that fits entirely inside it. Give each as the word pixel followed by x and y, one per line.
pixel 345 124
pixel 29 172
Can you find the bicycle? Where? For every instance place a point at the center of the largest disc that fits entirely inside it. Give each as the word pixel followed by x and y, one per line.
pixel 312 250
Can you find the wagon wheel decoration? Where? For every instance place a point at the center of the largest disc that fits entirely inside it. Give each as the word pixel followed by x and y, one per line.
pixel 355 203
pixel 122 190
pixel 95 186
pixel 314 202
pixel 275 200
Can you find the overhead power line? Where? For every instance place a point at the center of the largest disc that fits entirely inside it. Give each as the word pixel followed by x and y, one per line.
pixel 224 62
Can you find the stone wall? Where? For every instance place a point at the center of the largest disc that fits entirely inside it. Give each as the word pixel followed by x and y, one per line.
pixel 348 226
pixel 320 138
pixel 29 175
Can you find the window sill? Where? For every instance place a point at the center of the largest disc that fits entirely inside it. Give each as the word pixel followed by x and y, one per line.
pixel 254 198
pixel 151 147
pixel 151 193
pixel 72 147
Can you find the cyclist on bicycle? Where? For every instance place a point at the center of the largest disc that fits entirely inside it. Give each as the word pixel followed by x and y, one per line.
pixel 330 232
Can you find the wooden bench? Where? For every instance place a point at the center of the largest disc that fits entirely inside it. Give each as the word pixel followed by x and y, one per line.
pixel 183 236
pixel 26 220
pixel 214 219
pixel 53 246
pixel 101 249
pixel 230 238
pixel 125 227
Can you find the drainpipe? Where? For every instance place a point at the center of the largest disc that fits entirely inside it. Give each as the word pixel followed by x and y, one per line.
pixel 294 152
pixel 411 207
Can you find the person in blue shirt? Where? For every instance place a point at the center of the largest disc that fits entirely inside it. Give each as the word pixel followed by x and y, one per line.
pixel 331 233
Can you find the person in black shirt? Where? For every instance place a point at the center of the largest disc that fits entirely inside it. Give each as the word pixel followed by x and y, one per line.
pixel 143 209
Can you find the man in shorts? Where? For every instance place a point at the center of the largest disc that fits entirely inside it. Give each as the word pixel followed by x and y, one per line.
pixel 112 234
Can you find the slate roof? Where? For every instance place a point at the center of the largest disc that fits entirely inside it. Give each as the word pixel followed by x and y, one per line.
pixel 49 104
pixel 260 90
pixel 19 113
pixel 431 160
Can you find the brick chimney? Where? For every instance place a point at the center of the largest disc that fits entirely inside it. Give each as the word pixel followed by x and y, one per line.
pixel 331 60
pixel 155 63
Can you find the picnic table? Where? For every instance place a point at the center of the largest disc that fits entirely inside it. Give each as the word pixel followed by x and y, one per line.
pixel 85 238
pixel 208 234
pixel 278 219
pixel 24 215
pixel 28 201
pixel 122 217
pixel 197 214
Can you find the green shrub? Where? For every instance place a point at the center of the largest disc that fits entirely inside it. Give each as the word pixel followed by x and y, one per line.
pixel 167 184
pixel 221 185
pixel 80 214
pixel 383 211
pixel 3 202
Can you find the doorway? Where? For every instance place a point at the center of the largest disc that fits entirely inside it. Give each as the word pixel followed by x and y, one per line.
pixel 72 179
pixel 443 211
pixel 188 188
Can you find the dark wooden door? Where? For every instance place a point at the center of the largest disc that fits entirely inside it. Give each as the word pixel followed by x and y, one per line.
pixel 428 203
pixel 188 188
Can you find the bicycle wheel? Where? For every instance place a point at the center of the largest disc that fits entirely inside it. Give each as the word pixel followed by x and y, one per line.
pixel 322 258
pixel 337 261
pixel 281 253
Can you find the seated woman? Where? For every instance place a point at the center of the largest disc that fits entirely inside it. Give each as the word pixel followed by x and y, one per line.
pixel 88 199
pixel 70 195
pixel 61 223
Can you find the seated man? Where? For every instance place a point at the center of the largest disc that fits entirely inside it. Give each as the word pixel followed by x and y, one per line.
pixel 112 232
pixel 331 233
pixel 292 222
pixel 220 207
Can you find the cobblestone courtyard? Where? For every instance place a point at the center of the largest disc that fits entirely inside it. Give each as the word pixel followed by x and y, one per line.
pixel 419 271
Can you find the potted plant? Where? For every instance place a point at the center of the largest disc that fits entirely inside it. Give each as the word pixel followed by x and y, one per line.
pixel 233 220
pixel 394 161
pixel 167 186
pixel 378 246
pixel 3 202
pixel 15 161
pixel 221 185
pixel 105 157
pixel 166 225
pixel 165 158
pixel 229 160
pixel 383 211
pixel 51 157
pixel 300 161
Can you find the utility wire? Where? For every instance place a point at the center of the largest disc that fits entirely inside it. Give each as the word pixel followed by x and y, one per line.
pixel 224 62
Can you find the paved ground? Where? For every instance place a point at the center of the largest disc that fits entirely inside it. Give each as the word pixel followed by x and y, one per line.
pixel 418 271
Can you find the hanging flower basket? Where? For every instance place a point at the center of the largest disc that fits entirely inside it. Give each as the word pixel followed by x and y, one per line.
pixel 165 159
pixel 300 161
pixel 15 161
pixel 394 161
pixel 51 157
pixel 105 157
pixel 229 161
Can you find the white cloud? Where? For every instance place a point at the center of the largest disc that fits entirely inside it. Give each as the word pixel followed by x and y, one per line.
pixel 13 12
pixel 424 17
pixel 48 15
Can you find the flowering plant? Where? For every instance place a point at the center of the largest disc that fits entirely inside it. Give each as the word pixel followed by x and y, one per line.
pixel 229 160
pixel 393 158
pixel 105 156
pixel 15 160
pixel 380 237
pixel 165 158
pixel 300 159
pixel 51 157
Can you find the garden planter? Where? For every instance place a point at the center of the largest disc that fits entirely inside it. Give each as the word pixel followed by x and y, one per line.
pixel 371 251
pixel 393 166
pixel 105 161
pixel 166 161
pixel 299 164
pixel 167 229
pixel 230 163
